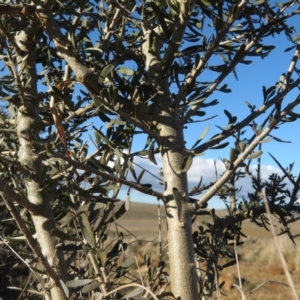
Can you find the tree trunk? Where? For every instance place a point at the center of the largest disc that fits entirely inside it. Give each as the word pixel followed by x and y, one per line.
pixel 171 142
pixel 180 243
pixel 39 191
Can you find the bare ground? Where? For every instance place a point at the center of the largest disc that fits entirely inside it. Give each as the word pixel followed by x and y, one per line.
pixel 259 263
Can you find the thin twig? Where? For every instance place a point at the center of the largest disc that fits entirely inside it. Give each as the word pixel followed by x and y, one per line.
pixel 239 271
pixel 31 242
pixel 131 285
pixel 262 284
pixel 246 121
pixel 228 173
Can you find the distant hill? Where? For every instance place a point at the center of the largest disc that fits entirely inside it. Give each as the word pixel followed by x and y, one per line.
pixel 141 221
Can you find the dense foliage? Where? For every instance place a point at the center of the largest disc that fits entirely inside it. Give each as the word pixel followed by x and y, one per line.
pixel 83 74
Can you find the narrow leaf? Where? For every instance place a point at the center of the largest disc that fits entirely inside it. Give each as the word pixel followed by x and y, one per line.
pixel 221 146
pixel 93 49
pixel 229 264
pixel 220 68
pixel 151 153
pixel 88 288
pixel 201 137
pixel 65 288
pixel 121 211
pixel 128 263
pixel 187 162
pixel 256 154
pixel 102 256
pixel 140 176
pixel 267 140
pixel 105 72
pixel 78 283
pixel 63 236
pixel 87 231
pixel 133 293
pixel 127 201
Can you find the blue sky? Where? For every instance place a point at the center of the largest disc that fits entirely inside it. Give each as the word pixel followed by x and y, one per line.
pixel 251 79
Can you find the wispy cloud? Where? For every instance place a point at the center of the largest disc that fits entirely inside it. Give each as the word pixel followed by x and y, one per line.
pixel 206 168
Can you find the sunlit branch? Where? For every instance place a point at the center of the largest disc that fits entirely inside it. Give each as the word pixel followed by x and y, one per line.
pixel 106 176
pixel 190 79
pixel 125 116
pixel 83 74
pixel 293 63
pixel 225 134
pixel 228 173
pixel 177 35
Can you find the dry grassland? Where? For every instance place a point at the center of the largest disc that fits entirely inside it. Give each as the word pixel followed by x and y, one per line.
pixel 258 260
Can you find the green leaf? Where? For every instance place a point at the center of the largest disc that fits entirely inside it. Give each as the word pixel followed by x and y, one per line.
pixel 151 153
pixel 84 22
pixel 201 137
pixel 187 162
pixel 65 288
pixel 96 189
pixel 102 257
pixel 246 62
pixel 63 236
pixel 90 207
pixel 232 262
pixel 105 72
pixel 94 163
pixel 242 146
pixel 267 140
pixel 68 247
pixel 127 201
pixel 125 71
pixel 257 2
pixel 118 214
pixel 140 176
pixel 219 68
pixel 88 288
pixel 227 113
pixel 133 293
pixel 199 113
pixel 161 18
pixel 100 136
pixel 290 48
pixel 78 282
pixel 224 89
pixel 87 231
pixel 93 49
pixel 211 103
pixel 232 158
pixel 256 154
pixel 221 146
pixel 131 168
pixel 279 140
pixel 128 263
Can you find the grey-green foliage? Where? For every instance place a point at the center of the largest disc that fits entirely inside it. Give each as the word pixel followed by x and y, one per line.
pixel 133 67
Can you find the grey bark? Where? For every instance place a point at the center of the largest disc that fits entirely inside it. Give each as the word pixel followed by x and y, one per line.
pixel 39 191
pixel 180 243
pixel 172 148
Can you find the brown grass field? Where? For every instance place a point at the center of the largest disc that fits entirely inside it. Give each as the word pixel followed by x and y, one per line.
pixel 258 259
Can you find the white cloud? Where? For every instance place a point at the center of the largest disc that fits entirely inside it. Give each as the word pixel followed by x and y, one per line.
pixel 204 167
